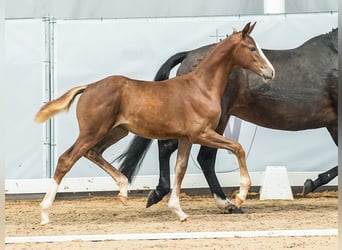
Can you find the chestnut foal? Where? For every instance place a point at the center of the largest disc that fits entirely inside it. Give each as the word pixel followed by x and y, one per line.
pixel 186 107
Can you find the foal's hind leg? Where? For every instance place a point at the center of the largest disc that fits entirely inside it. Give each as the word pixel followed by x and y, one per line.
pixel 65 163
pixel 84 147
pixel 184 147
pixel 95 155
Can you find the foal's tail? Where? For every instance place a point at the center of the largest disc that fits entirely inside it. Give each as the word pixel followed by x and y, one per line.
pixel 135 153
pixel 62 103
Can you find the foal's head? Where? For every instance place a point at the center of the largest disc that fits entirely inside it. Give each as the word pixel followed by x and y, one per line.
pixel 248 54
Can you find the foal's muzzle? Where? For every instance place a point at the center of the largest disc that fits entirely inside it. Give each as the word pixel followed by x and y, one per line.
pixel 267 74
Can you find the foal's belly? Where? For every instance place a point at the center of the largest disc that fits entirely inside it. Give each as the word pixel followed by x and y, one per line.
pixel 155 126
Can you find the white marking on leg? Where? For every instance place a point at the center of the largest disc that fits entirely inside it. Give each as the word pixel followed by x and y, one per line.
pixel 47 202
pixel 245 184
pixel 175 206
pixel 123 186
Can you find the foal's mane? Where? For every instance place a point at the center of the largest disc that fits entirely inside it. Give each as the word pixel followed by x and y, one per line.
pixel 209 51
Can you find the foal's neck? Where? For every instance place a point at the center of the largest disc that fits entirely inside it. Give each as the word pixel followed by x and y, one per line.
pixel 214 70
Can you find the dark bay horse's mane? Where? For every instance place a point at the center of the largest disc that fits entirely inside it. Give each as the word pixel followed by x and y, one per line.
pixel 333 38
pixel 329 39
pixel 207 53
pixel 200 59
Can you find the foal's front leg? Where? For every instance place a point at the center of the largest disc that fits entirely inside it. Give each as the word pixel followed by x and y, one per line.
pixel 184 147
pixel 206 158
pixel 211 138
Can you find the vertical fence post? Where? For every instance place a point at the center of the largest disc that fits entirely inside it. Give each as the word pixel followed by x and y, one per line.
pixel 274 6
pixel 49 94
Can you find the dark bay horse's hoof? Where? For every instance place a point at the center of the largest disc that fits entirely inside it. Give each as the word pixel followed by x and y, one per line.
pixel 233 210
pixel 153 198
pixel 308 187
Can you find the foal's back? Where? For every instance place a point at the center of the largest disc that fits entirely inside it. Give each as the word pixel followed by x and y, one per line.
pixel 154 109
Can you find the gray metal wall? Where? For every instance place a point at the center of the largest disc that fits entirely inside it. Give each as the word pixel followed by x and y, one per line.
pixel 76 9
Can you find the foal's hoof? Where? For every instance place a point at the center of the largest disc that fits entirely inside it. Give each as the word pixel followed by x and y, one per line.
pixel 184 219
pixel 153 198
pixel 233 210
pixel 44 217
pixel 44 223
pixel 123 199
pixel 308 186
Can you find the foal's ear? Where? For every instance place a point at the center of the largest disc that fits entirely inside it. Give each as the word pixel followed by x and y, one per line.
pixel 248 29
pixel 245 30
pixel 251 28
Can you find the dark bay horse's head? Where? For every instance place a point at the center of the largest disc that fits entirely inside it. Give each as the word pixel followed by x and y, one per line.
pixel 248 54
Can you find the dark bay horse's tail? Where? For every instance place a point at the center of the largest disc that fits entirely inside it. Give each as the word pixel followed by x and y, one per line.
pixel 62 103
pixel 135 153
pixel 133 156
pixel 164 71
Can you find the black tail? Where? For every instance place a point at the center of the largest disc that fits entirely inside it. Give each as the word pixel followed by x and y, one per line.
pixel 135 153
pixel 133 156
pixel 164 71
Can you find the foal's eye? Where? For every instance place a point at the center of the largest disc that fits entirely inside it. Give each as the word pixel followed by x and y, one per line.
pixel 252 49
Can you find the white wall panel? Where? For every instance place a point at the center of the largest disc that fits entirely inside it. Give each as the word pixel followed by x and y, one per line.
pixel 88 50
pixel 24 69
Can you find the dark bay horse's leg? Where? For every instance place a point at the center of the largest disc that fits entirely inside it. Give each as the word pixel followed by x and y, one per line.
pixel 326 177
pixel 166 148
pixel 323 178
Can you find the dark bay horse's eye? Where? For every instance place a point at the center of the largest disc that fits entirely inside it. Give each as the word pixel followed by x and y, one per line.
pixel 252 49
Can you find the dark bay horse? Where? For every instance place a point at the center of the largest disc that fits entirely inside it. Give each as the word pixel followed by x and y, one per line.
pixel 186 107
pixel 302 96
